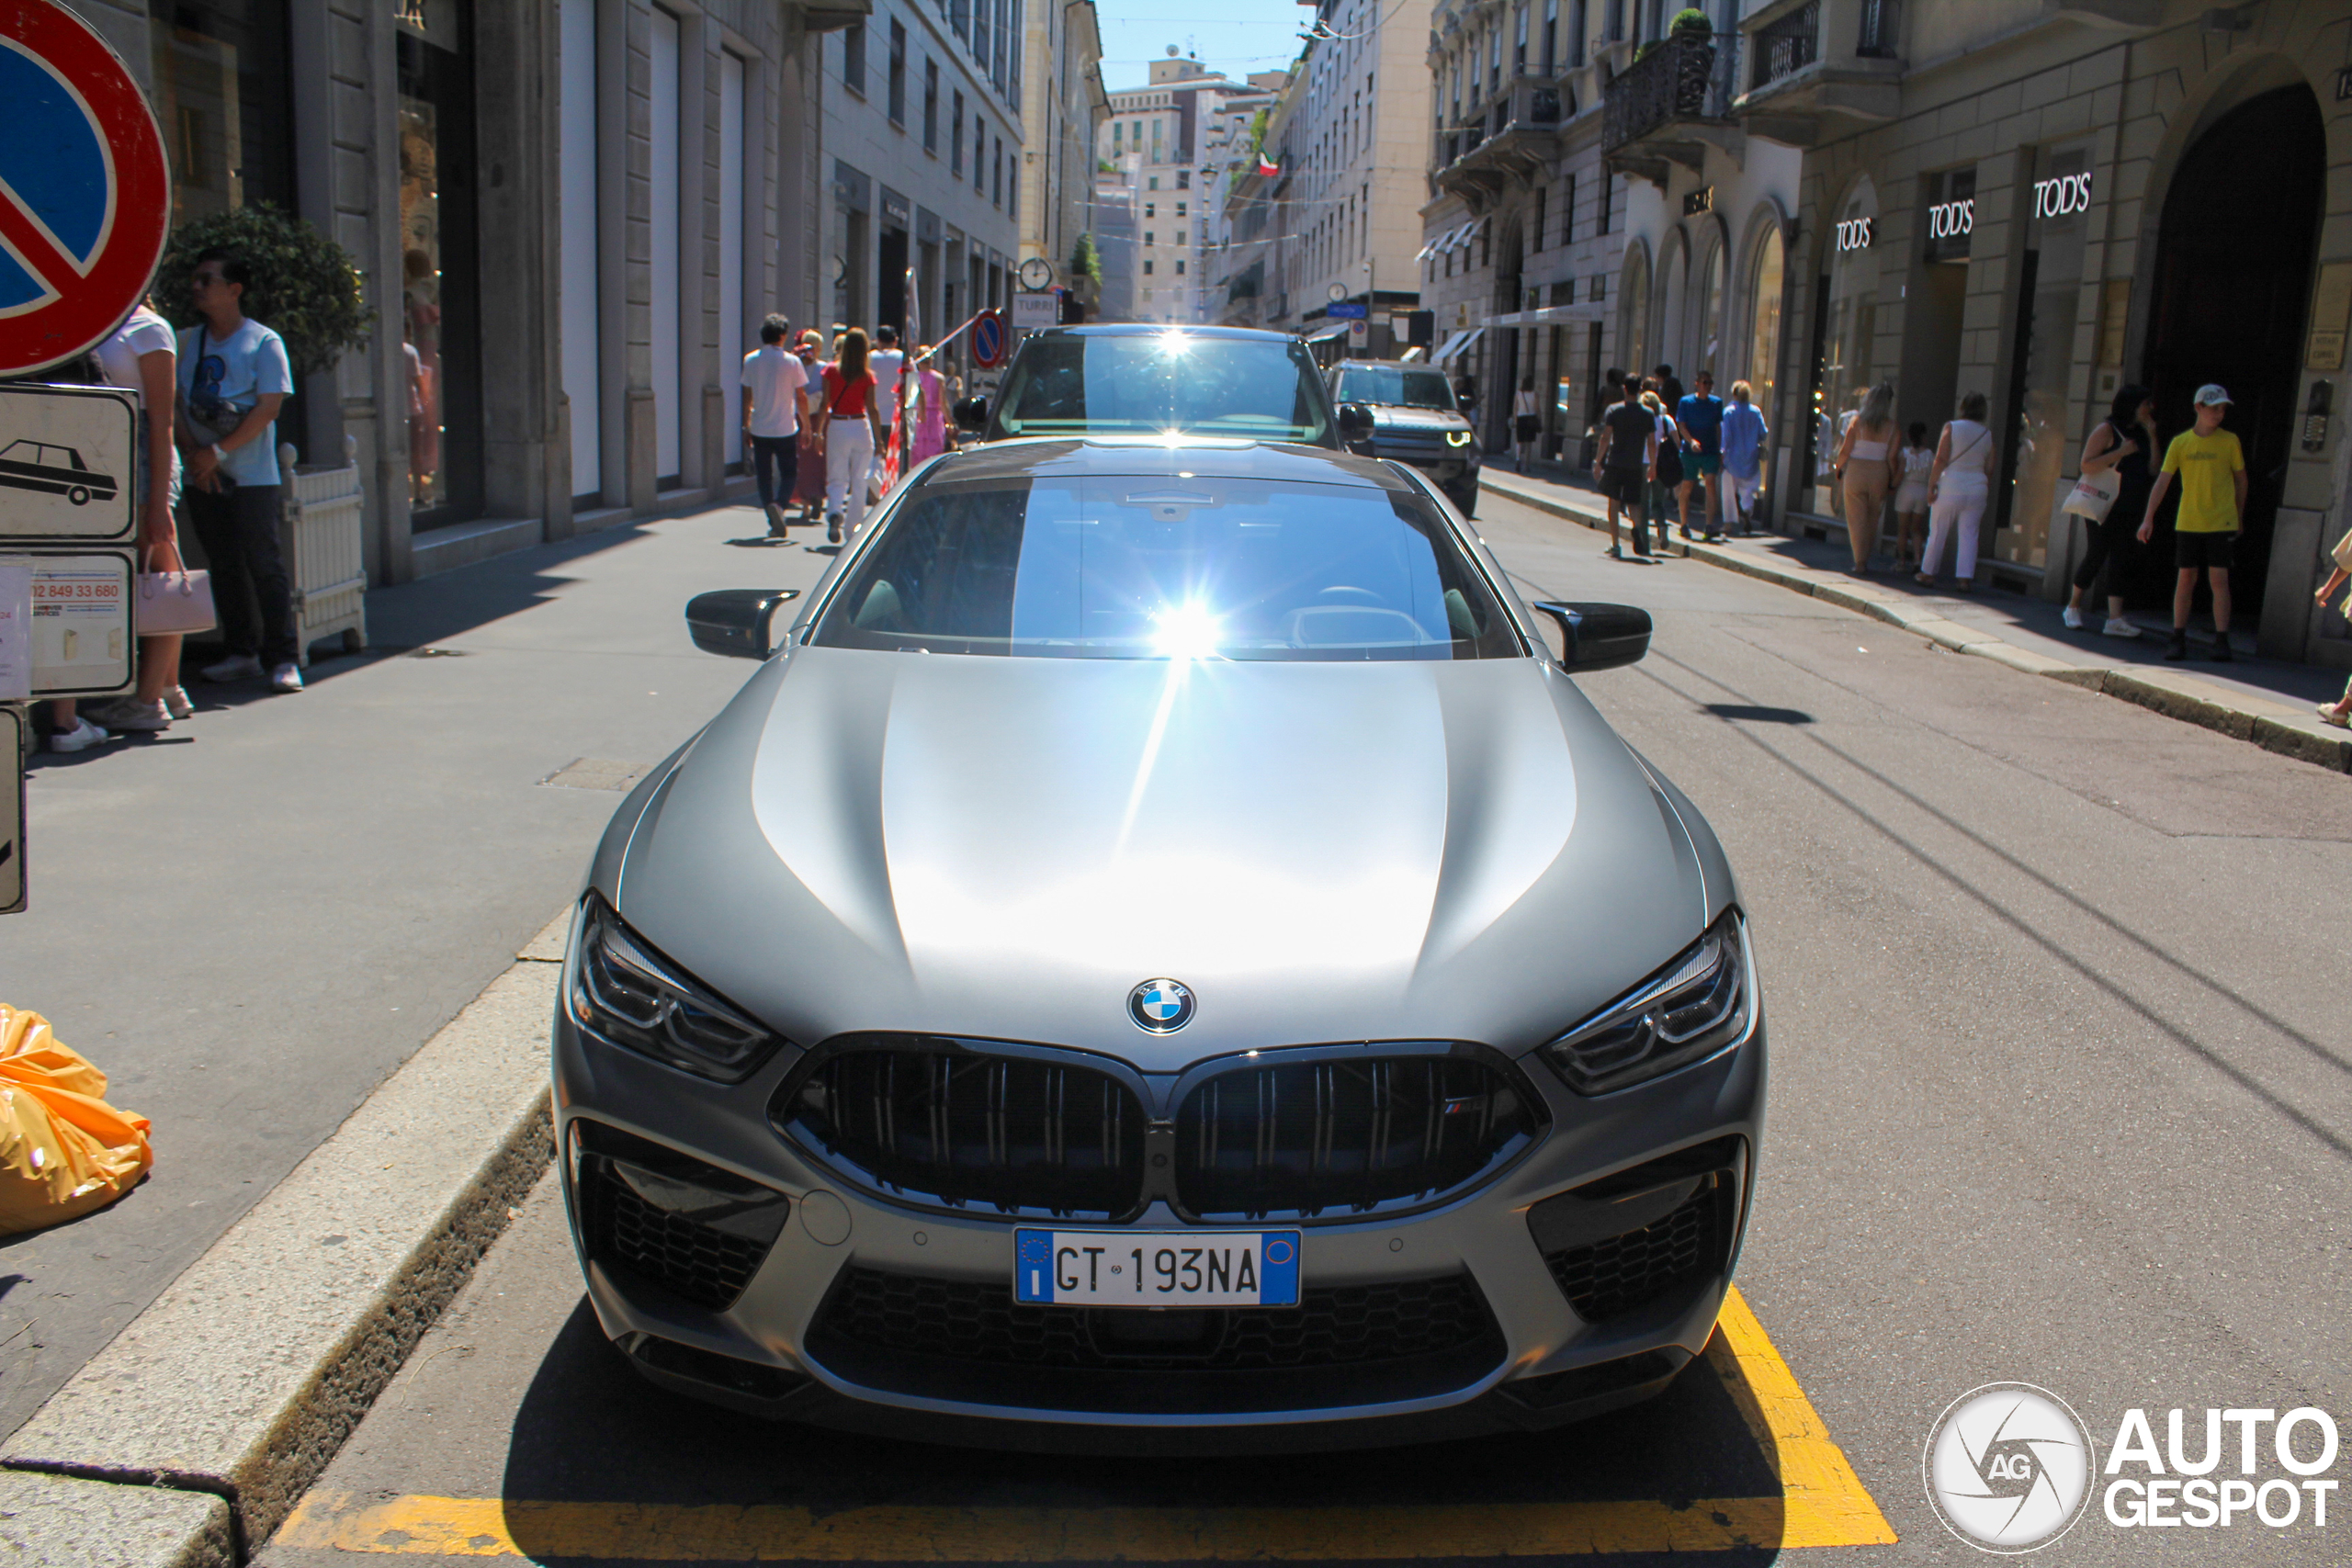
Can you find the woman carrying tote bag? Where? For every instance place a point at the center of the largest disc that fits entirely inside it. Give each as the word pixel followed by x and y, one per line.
pixel 2111 496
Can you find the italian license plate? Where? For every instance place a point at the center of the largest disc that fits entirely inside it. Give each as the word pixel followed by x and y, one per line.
pixel 1156 1269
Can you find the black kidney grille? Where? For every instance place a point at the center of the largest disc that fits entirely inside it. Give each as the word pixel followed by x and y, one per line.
pixel 691 1261
pixel 1333 1325
pixel 954 1128
pixel 1610 1278
pixel 1303 1138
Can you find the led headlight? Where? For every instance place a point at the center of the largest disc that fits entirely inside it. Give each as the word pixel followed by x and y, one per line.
pixel 625 992
pixel 1457 438
pixel 1696 1006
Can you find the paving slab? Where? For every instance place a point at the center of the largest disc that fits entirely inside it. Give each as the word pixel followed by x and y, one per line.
pixel 56 1521
pixel 244 1376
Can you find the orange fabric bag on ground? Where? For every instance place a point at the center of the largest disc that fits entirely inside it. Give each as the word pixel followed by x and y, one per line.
pixel 64 1150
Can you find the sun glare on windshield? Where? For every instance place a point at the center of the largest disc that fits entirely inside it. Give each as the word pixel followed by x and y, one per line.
pixel 1184 631
pixel 1174 344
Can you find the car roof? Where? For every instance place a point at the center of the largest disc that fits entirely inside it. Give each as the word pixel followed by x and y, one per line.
pixel 1386 364
pixel 1145 329
pixel 1148 455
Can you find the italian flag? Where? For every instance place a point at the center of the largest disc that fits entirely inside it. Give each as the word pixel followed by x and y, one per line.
pixel 1267 167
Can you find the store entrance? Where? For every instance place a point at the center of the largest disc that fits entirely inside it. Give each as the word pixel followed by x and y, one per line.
pixel 2233 267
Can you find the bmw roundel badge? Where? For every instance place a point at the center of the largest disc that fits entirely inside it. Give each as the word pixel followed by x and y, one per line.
pixel 1161 1007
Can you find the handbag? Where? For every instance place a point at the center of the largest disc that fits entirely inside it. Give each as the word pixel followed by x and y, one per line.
pixel 2093 494
pixel 173 603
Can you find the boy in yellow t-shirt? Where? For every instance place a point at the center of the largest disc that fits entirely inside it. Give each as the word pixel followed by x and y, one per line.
pixel 2212 469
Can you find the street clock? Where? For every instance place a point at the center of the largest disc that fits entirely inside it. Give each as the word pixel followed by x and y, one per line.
pixel 1036 272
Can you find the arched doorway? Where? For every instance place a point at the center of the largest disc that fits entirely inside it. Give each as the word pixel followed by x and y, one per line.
pixel 2233 275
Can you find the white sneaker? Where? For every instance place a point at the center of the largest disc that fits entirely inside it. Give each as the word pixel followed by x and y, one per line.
pixel 81 737
pixel 2118 626
pixel 130 713
pixel 285 678
pixel 2073 618
pixel 236 666
pixel 176 704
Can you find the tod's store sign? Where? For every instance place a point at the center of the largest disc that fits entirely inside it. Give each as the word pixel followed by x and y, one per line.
pixel 1952 215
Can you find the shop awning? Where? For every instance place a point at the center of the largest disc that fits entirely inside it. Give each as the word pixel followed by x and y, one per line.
pixel 1549 316
pixel 1459 343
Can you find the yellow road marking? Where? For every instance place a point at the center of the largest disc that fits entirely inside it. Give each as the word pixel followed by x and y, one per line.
pixel 1823 1503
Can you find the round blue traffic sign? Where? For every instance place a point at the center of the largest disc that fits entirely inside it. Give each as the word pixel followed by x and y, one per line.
pixel 85 195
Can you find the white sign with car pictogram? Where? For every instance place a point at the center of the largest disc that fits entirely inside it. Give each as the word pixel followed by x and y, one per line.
pixel 66 460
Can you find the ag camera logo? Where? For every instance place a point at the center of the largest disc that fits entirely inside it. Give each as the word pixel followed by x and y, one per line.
pixel 2009 1468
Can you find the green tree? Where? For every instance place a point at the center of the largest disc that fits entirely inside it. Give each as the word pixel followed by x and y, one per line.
pixel 304 285
pixel 1083 262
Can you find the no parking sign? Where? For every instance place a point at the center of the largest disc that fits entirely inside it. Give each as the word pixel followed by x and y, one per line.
pixel 987 340
pixel 85 195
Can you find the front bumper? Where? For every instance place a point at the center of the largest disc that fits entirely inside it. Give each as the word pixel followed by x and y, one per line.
pixel 774 1336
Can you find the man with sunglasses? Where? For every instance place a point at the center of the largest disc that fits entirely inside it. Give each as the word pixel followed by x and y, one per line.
pixel 233 375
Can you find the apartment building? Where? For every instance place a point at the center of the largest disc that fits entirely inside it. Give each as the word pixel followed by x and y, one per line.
pixel 924 156
pixel 1063 107
pixel 1163 132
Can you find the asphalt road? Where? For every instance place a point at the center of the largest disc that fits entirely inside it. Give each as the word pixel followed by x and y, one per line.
pixel 2061 1095
pixel 249 922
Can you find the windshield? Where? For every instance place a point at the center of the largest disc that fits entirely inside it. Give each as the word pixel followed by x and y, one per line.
pixel 1115 567
pixel 1396 385
pixel 1148 384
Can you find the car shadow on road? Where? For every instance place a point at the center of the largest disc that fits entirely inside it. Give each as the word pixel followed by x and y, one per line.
pixel 596 1454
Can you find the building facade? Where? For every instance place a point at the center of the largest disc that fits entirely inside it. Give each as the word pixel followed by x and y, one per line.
pixel 2042 203
pixel 1339 219
pixel 1162 133
pixel 922 150
pixel 1063 109
pixel 568 215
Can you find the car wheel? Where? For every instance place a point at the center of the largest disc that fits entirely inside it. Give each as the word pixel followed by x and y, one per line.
pixel 78 494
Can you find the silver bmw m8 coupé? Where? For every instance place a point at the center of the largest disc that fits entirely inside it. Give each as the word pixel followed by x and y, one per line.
pixel 1160 954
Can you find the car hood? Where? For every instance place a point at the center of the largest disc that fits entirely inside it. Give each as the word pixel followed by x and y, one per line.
pixel 1003 847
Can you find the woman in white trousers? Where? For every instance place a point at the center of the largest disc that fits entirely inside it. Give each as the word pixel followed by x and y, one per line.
pixel 1959 485
pixel 849 436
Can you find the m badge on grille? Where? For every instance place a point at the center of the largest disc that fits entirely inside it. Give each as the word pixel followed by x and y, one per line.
pixel 1161 1007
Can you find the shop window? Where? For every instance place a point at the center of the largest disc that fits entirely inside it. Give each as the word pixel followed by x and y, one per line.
pixel 1764 320
pixel 2055 204
pixel 220 98
pixel 1710 355
pixel 440 305
pixel 1844 327
pixel 1634 313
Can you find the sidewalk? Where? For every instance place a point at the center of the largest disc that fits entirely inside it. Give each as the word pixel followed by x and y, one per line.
pixel 2253 699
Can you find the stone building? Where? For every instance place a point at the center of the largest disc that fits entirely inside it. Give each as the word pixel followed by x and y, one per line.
pixel 1163 132
pixel 574 211
pixel 2041 202
pixel 1062 110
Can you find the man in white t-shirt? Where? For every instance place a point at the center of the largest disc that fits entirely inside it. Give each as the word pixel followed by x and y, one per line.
pixel 775 399
pixel 233 376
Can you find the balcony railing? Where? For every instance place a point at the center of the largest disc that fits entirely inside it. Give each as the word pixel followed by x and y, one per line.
pixel 1787 46
pixel 1524 103
pixel 1684 77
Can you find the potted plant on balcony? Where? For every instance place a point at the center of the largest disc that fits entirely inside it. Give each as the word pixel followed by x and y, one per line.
pixel 1692 22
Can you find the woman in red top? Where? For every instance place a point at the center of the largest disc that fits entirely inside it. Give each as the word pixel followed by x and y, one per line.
pixel 849 435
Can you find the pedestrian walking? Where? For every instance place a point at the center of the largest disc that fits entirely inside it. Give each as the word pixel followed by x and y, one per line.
pixel 1667 479
pixel 1700 415
pixel 886 361
pixel 2120 446
pixel 2211 472
pixel 931 408
pixel 2339 712
pixel 775 402
pixel 1960 483
pixel 1865 469
pixel 850 398
pixel 1526 421
pixel 140 358
pixel 1625 464
pixel 1917 458
pixel 1669 388
pixel 233 375
pixel 808 481
pixel 1744 434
